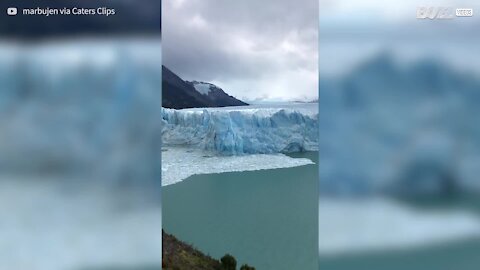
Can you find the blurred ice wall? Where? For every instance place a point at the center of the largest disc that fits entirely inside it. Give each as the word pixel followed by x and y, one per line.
pixel 85 106
pixel 399 98
pixel 398 131
pixel 80 141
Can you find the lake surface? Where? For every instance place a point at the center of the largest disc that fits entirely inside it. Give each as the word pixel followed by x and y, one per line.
pixel 266 218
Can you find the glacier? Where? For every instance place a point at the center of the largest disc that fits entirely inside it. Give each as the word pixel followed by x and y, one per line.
pixel 243 130
pixel 393 135
pixel 392 127
pixel 81 105
pixel 79 163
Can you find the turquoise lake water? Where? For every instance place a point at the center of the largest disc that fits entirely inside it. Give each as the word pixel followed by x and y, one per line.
pixel 267 218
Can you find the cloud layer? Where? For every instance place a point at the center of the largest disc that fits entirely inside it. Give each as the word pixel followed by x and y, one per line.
pixel 253 49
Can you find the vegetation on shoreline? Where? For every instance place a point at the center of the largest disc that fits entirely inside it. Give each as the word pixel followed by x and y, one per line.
pixel 177 255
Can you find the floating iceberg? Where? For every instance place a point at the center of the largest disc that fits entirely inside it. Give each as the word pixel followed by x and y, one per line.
pixel 243 130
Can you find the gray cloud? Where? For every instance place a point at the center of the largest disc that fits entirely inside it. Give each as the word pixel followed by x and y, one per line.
pixel 250 48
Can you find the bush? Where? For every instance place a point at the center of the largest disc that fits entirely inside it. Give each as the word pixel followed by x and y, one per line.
pixel 247 267
pixel 228 262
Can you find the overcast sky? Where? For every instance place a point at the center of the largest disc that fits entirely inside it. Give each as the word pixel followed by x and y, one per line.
pixel 353 31
pixel 252 49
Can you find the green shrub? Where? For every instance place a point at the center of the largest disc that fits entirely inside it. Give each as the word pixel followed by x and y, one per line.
pixel 247 267
pixel 228 262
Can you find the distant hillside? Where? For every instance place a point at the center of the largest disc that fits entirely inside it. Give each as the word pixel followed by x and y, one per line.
pixel 180 94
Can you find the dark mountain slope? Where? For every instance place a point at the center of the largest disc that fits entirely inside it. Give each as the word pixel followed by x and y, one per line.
pixel 217 95
pixel 180 94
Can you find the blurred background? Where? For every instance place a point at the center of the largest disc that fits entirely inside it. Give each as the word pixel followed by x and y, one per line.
pixel 399 137
pixel 79 137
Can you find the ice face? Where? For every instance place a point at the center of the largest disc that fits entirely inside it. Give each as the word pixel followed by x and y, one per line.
pixel 242 130
pixel 408 129
pixel 72 106
pixel 79 123
pixel 179 163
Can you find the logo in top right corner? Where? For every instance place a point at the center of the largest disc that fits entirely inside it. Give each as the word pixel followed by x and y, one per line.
pixel 433 13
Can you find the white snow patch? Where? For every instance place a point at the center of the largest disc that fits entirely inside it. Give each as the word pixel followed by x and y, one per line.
pixel 347 226
pixel 179 163
pixel 202 88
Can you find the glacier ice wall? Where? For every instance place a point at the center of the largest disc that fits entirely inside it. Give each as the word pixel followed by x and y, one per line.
pixel 79 153
pixel 83 106
pixel 408 129
pixel 238 131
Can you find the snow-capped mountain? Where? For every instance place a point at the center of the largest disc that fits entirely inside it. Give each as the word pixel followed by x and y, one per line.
pixel 180 94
